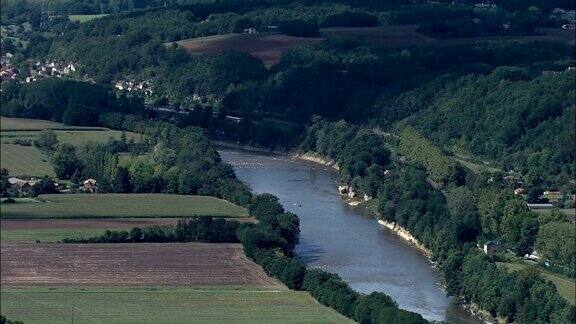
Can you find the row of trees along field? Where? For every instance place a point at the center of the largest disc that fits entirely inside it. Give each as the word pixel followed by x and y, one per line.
pixel 465 209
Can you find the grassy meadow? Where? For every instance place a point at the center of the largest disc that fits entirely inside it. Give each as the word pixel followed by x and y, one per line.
pixel 164 305
pixel 22 160
pixel 25 160
pixel 566 286
pixel 121 205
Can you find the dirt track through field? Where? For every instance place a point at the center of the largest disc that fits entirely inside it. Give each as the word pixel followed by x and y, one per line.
pixel 136 264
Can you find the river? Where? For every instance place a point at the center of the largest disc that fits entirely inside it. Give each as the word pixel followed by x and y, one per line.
pixel 346 240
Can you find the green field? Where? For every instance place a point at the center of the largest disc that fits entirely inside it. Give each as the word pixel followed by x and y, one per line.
pixel 85 18
pixel 46 235
pixel 74 137
pixel 121 205
pixel 24 161
pixel 566 286
pixel 163 305
pixel 24 124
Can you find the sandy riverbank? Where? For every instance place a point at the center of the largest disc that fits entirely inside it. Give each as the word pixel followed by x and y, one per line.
pixel 316 159
pixel 405 234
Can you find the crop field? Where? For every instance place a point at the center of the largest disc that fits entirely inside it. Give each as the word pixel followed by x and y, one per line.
pixel 130 265
pixel 164 305
pixel 24 161
pixel 54 230
pixel 121 205
pixel 566 287
pixel 267 47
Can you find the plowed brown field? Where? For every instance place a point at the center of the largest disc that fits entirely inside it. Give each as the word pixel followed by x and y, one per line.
pixel 134 265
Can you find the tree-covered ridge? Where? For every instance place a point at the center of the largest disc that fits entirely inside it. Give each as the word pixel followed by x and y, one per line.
pixel 525 123
pixel 70 102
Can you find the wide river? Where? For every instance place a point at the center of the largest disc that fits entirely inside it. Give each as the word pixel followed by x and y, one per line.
pixel 343 239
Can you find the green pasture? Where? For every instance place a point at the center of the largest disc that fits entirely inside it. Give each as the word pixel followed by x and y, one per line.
pixel 121 205
pixel 163 305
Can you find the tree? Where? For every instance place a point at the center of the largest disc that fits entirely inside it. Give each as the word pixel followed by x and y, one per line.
pixel 65 161
pixel 135 234
pixel 121 181
pixel 4 184
pixel 44 186
pixel 46 140
pixel 368 306
pixel 534 194
pixel 519 226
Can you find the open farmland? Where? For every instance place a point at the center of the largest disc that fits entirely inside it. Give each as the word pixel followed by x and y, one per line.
pixel 54 230
pixel 19 128
pixel 24 161
pixel 267 47
pixel 130 265
pixel 164 305
pixel 121 205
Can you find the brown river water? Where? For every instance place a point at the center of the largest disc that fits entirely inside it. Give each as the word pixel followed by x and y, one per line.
pixel 344 239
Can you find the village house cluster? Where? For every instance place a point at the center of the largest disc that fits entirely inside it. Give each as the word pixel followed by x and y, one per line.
pixel 37 70
pixel 23 186
pixel 46 69
pixel 7 72
pixel 131 85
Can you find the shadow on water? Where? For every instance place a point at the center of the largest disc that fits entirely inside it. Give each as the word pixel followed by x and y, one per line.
pixel 346 240
pixel 313 250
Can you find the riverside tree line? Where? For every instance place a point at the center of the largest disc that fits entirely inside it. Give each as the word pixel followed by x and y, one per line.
pixel 461 210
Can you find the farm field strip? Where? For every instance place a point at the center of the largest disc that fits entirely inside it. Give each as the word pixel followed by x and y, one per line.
pixel 130 265
pixel 122 205
pixel 165 305
pixel 54 230
pixel 74 137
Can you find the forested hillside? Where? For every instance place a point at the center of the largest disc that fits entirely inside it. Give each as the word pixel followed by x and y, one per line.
pixel 527 124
